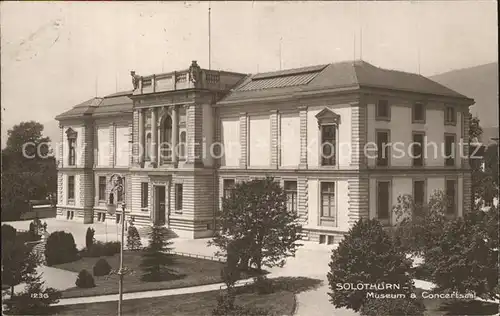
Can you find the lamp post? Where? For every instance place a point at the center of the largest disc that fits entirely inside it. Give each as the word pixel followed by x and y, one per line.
pixel 117 182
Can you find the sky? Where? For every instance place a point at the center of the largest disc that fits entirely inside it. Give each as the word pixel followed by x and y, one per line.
pixel 57 54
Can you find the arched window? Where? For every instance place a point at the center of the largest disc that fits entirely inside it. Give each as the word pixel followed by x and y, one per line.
pixel 71 134
pixel 182 145
pixel 166 139
pixel 148 147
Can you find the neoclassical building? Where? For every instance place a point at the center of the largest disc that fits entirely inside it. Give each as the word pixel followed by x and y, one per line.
pixel 183 139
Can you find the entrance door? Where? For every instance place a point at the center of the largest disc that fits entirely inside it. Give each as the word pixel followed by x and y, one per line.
pixel 160 205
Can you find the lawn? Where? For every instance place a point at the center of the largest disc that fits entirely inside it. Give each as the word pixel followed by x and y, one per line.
pixel 189 272
pixel 279 303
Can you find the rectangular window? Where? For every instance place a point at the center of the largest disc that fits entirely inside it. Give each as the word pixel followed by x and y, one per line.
pixel 71 187
pixel 451 195
pixel 382 148
pixel 120 193
pixel 383 200
pixel 144 194
pixel 419 193
pixel 418 149
pixel 291 195
pixel 382 110
pixel 328 145
pixel 450 116
pixel 72 152
pixel 330 240
pixel 118 218
pixel 328 208
pixel 178 196
pixel 228 185
pixel 418 113
pixel 449 150
pixel 102 188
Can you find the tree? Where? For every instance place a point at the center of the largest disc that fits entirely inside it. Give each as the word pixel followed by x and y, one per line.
pixel 28 171
pixel 393 307
pixel 465 258
pixel 256 219
pixel 366 255
pixel 36 299
pixel 18 262
pixel 89 238
pixel 475 129
pixel 133 238
pixel 419 226
pixel 157 259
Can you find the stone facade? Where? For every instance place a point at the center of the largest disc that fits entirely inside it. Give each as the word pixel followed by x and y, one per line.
pixel 196 108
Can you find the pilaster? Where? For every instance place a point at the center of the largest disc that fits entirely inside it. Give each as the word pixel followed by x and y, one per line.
pixel 275 142
pixel 358 199
pixel 358 134
pixel 303 137
pixel 112 145
pixel 154 138
pixel 243 139
pixel 194 131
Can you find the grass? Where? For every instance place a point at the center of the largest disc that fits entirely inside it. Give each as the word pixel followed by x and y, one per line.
pixel 189 272
pixel 279 303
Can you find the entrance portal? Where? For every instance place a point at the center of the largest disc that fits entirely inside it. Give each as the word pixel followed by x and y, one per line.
pixel 160 205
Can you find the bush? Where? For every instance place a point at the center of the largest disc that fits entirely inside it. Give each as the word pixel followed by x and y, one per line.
pixel 466 257
pixel 85 279
pixel 60 248
pixel 367 255
pixel 419 226
pixel 263 285
pixel 101 267
pixel 33 232
pixel 89 238
pixel 100 249
pixel 8 233
pixel 393 307
pixel 133 239
pixel 111 248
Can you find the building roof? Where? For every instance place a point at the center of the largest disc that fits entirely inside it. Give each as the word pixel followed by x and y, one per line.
pixel 115 103
pixel 341 75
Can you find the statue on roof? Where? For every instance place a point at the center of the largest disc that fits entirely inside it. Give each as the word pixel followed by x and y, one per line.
pixel 135 79
pixel 194 72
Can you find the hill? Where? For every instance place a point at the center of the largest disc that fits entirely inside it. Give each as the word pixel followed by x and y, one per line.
pixel 481 84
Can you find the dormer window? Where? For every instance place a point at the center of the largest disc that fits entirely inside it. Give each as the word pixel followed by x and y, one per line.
pixel 72 135
pixel 328 122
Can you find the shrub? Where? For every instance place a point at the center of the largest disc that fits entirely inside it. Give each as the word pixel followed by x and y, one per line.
pixel 466 257
pixel 225 306
pixel 263 285
pixel 85 279
pixel 60 248
pixel 393 307
pixel 367 255
pixel 133 238
pixel 111 248
pixel 100 249
pixel 89 238
pixel 419 226
pixel 101 267
pixel 8 233
pixel 33 232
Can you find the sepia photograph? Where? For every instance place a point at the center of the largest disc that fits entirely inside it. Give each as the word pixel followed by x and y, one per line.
pixel 250 158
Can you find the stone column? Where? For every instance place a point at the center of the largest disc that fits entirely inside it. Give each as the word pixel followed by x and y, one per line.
pixel 243 140
pixel 274 117
pixel 175 136
pixel 141 137
pixel 154 138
